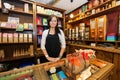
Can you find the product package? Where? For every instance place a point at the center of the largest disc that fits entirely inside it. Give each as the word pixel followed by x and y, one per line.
pixel 30 37
pixel 25 37
pixel 15 36
pixel 10 37
pixel 20 37
pixel 25 25
pixel 4 38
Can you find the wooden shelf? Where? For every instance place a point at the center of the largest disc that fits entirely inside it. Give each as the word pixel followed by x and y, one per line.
pixel 105 41
pixel 42 25
pixel 15 28
pixel 47 15
pixel 19 43
pixel 102 4
pixel 30 13
pixel 113 50
pixel 97 14
pixel 16 58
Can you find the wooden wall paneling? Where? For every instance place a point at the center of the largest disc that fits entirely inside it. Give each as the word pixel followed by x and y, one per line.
pixel 116 69
pixel 119 67
pixel 100 55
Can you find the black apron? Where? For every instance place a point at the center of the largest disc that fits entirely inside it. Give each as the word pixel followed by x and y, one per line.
pixel 53 45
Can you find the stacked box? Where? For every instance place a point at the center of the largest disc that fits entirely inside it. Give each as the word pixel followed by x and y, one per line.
pixel 15 36
pixel 10 37
pixel 25 38
pixel 14 25
pixel 21 37
pixel 4 38
pixel 26 7
pixel 3 24
pixel 30 37
pixel 25 25
pixel 30 26
pixel 8 25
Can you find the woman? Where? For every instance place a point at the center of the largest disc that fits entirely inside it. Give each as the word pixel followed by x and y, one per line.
pixel 53 40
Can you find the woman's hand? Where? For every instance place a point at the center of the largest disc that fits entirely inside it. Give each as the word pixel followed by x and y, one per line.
pixel 51 59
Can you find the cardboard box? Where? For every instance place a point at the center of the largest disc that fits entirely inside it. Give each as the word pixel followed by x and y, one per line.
pixel 25 25
pixel 10 37
pixel 4 38
pixel 26 7
pixel 15 36
pixel 8 25
pixel 30 26
pixel 25 38
pixel 20 37
pixel 14 25
pixel 30 37
pixel 3 24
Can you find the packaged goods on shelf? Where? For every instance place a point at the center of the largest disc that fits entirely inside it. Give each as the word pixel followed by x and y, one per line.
pixel 30 26
pixel 25 25
pixel 20 27
pixel 14 25
pixel 10 37
pixel 2 55
pixel 13 20
pixel 30 50
pixel 39 21
pixel 4 36
pixel 15 36
pixel 45 22
pixel 40 30
pixel 26 7
pixel 20 37
pixel 30 37
pixel 3 24
pixel 25 37
pixel 8 25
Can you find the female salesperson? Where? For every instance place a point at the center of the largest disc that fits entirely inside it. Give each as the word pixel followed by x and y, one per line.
pixel 53 40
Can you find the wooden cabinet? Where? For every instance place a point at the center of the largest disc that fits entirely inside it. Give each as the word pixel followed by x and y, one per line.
pixel 42 14
pixel 20 21
pixel 16 30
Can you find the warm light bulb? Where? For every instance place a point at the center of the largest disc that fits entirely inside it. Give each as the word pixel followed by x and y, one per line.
pixel 71 15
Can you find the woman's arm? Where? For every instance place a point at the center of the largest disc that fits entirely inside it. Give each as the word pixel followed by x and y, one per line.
pixel 63 43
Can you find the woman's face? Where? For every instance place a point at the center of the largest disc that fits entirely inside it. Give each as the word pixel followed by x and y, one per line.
pixel 53 22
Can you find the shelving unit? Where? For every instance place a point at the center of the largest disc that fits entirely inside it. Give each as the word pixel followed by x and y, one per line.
pixel 107 50
pixel 45 16
pixel 16 52
pixel 13 51
pixel 16 58
pixel 105 11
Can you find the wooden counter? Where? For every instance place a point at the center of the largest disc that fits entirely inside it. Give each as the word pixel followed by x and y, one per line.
pixel 102 74
pixel 106 54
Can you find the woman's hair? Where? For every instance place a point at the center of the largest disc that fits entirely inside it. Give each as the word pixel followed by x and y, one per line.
pixel 56 27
